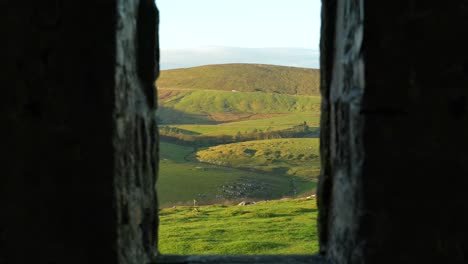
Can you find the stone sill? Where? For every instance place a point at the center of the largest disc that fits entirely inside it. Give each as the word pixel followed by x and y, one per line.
pixel 270 259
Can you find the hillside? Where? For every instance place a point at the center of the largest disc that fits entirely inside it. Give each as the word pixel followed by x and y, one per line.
pixel 244 78
pixel 181 180
pixel 202 106
pixel 259 108
pixel 293 156
pixel 264 122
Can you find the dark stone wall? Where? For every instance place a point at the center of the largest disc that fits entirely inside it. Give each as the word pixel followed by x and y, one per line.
pixel 79 145
pixel 76 116
pixel 135 139
pixel 394 142
pixel 340 188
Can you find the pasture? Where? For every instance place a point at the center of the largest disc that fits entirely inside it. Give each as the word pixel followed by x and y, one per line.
pixel 273 123
pixel 268 227
pixel 214 107
pixel 182 180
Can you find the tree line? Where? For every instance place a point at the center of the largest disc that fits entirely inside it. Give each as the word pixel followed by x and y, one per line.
pixel 181 137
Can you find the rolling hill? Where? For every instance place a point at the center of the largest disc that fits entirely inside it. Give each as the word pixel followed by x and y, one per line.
pixel 293 156
pixel 231 133
pixel 243 78
pixel 204 106
pixel 213 105
pixel 182 179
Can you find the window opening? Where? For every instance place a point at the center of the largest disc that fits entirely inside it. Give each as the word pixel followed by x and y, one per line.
pixel 238 114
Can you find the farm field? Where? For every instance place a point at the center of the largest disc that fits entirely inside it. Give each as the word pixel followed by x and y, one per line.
pixel 267 227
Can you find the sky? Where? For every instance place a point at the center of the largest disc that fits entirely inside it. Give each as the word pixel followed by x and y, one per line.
pixel 199 32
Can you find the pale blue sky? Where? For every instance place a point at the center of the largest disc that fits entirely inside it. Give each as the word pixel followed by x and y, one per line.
pixel 238 30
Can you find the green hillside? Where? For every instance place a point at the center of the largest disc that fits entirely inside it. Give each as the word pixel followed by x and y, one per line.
pixel 211 106
pixel 272 227
pixel 267 123
pixel 294 156
pixel 273 115
pixel 202 106
pixel 180 180
pixel 243 78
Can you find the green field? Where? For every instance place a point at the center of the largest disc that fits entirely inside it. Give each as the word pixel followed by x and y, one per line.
pixel 271 227
pixel 295 156
pixel 244 78
pixel 181 180
pixel 213 107
pixel 277 122
pixel 272 115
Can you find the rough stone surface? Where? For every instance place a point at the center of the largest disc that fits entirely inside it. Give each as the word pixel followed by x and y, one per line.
pixel 394 128
pixel 135 140
pixel 76 116
pixel 341 144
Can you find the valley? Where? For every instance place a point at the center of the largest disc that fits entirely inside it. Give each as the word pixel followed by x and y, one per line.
pixel 223 140
pixel 231 135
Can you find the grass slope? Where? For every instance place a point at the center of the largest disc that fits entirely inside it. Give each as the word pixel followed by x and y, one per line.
pixel 181 180
pixel 277 122
pixel 295 156
pixel 272 227
pixel 202 106
pixel 244 78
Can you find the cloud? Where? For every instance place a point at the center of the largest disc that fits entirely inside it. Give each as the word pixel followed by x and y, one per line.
pixel 183 58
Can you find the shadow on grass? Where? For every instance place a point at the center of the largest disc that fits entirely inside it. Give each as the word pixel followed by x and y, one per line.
pixel 170 116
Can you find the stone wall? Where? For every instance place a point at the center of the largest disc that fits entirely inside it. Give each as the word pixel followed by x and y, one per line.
pixel 78 130
pixel 394 142
pixel 135 138
pixel 77 111
pixel 341 142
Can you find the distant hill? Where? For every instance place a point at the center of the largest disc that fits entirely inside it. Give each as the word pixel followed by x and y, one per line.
pixel 243 78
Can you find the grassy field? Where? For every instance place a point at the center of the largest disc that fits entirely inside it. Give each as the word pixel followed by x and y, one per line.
pixel 237 102
pixel 264 169
pixel 182 180
pixel 219 104
pixel 293 156
pixel 271 227
pixel 277 122
pixel 244 78
pixel 203 106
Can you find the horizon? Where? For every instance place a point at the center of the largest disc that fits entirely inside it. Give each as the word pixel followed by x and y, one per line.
pixel 271 32
pixel 242 63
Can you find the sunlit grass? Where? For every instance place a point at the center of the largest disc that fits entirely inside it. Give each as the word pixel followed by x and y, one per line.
pixel 244 78
pixel 201 106
pixel 293 156
pixel 266 124
pixel 181 180
pixel 272 227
